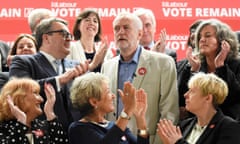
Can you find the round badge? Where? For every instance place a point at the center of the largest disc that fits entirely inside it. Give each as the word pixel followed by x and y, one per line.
pixel 142 71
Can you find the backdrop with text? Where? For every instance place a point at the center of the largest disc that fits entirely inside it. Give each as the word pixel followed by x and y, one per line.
pixel 174 15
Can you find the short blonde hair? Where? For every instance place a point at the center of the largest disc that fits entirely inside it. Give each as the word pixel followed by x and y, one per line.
pixel 17 88
pixel 85 87
pixel 210 84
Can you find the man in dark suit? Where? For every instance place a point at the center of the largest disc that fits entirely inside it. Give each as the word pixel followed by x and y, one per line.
pixel 4 49
pixel 3 79
pixel 53 39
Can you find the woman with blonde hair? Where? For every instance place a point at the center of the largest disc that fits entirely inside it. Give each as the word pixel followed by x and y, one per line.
pixel 19 108
pixel 209 126
pixel 91 95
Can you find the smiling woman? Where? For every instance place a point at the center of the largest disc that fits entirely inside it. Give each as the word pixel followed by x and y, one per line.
pixel 87 32
pixel 24 44
pixel 19 108
pixel 217 45
pixel 91 95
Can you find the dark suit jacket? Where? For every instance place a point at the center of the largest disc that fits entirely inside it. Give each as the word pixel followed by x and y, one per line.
pixel 3 78
pixel 229 73
pixel 4 49
pixel 91 133
pixel 39 68
pixel 171 53
pixel 221 130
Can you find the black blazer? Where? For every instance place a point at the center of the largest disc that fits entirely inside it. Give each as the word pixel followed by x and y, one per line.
pixel 230 73
pixel 3 78
pixel 39 68
pixel 221 130
pixel 4 49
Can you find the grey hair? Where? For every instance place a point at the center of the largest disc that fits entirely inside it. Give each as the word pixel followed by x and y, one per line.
pixel 223 32
pixel 85 87
pixel 36 16
pixel 137 21
pixel 147 12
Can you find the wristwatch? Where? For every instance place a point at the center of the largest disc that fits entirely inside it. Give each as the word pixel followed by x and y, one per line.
pixel 142 132
pixel 125 115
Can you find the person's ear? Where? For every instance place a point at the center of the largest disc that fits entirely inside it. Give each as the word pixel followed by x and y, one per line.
pixel 93 102
pixel 209 98
pixel 45 37
pixel 140 33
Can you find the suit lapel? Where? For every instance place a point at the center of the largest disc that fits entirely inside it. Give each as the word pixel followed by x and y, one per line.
pixel 142 68
pixel 189 128
pixel 43 62
pixel 115 76
pixel 113 70
pixel 217 119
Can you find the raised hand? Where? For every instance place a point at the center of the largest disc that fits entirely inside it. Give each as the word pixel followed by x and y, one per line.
pixel 20 115
pixel 168 132
pixel 51 98
pixel 194 60
pixel 222 55
pixel 128 96
pixel 141 103
pixel 100 54
pixel 140 109
pixel 160 45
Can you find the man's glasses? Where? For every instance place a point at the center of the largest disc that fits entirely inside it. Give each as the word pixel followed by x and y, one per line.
pixel 66 34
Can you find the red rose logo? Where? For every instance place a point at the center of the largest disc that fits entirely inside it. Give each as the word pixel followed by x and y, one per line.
pixel 38 133
pixel 142 71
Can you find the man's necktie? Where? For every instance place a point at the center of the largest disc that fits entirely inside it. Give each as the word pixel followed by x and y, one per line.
pixel 58 66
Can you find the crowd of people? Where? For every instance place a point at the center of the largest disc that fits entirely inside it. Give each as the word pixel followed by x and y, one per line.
pixel 58 86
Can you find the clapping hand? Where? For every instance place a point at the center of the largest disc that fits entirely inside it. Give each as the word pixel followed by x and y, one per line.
pixel 222 55
pixel 71 73
pixel 141 103
pixel 19 114
pixel 168 132
pixel 100 54
pixel 160 45
pixel 194 60
pixel 51 98
pixel 128 96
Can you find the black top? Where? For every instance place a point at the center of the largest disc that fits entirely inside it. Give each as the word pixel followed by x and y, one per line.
pixel 43 132
pixel 220 130
pixel 90 56
pixel 93 133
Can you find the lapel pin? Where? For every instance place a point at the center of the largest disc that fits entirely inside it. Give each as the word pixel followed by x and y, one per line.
pixel 38 133
pixel 212 126
pixel 142 71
